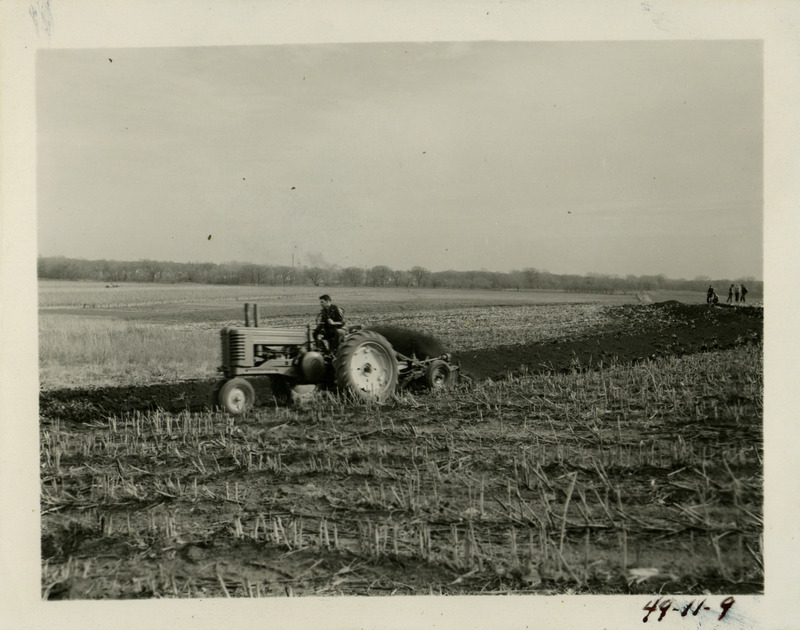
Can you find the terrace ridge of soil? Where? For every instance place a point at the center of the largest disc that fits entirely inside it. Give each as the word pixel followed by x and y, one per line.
pixel 639 332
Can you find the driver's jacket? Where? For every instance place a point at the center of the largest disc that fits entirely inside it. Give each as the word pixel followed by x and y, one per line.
pixel 330 312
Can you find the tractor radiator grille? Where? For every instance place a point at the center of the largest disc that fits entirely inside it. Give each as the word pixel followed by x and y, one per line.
pixel 233 347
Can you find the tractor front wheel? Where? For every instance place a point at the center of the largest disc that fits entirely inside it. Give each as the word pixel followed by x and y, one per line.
pixel 366 366
pixel 236 396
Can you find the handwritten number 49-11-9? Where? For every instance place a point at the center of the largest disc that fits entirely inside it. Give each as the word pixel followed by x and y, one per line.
pixel 667 605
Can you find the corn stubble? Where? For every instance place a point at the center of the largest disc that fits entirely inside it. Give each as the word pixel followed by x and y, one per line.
pixel 614 480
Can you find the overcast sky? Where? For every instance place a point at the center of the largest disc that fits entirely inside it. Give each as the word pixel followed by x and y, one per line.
pixel 606 157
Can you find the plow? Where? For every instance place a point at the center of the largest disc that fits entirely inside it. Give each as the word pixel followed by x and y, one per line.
pixel 363 365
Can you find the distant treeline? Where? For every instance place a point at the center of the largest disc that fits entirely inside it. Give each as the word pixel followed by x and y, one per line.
pixel 113 271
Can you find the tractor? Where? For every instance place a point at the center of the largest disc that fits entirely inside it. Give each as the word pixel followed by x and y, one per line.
pixel 364 365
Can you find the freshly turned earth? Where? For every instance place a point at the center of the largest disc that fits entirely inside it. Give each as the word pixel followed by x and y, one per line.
pixel 639 332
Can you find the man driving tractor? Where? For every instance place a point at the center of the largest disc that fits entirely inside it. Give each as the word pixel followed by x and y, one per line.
pixel 330 322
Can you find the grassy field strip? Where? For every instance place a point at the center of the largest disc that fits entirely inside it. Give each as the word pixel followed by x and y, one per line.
pixel 98 295
pixel 79 351
pixel 624 479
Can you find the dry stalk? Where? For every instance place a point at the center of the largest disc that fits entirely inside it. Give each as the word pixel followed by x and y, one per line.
pixel 221 580
pixel 624 536
pixel 566 507
pixel 567 566
pixel 718 553
pixel 513 545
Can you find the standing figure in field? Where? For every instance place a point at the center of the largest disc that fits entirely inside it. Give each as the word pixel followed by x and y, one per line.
pixel 742 293
pixel 736 293
pixel 730 294
pixel 710 294
pixel 330 322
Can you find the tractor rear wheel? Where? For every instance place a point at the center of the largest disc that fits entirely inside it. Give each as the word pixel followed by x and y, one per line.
pixel 236 396
pixel 366 366
pixel 438 375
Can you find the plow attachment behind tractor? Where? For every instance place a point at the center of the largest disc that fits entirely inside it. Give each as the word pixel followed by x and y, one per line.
pixel 436 373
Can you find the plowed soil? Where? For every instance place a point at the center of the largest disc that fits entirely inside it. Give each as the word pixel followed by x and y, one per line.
pixel 640 332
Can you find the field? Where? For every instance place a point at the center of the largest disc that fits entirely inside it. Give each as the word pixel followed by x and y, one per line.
pixel 608 445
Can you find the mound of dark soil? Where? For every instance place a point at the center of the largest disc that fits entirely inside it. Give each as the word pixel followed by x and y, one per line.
pixel 638 332
pixel 411 342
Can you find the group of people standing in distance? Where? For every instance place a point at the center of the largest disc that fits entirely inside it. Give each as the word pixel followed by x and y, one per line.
pixel 736 294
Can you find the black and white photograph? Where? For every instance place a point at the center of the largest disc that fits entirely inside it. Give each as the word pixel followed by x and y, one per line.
pixel 366 319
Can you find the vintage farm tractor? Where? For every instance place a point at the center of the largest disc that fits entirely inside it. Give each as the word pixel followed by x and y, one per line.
pixel 365 365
